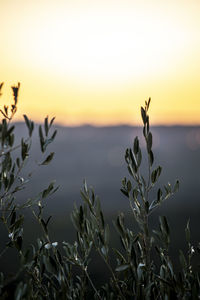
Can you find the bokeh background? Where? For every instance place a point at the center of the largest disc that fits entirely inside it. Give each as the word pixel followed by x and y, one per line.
pixel 92 64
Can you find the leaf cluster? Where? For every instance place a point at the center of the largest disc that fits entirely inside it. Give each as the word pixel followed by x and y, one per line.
pixel 52 270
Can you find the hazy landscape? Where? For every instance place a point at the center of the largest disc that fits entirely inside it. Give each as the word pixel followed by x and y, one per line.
pixel 97 154
pixel 99 185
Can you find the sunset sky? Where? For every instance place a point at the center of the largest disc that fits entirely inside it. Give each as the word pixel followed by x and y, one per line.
pixel 97 62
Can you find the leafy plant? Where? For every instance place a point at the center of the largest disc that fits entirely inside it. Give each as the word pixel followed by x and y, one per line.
pixel 52 271
pixel 13 158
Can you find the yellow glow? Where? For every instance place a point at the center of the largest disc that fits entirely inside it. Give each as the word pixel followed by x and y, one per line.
pixel 97 61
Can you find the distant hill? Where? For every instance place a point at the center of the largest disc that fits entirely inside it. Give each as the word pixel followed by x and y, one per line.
pixel 97 154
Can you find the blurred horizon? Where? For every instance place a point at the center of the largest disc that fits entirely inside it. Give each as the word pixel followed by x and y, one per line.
pixel 96 62
pixel 114 125
pixel 97 155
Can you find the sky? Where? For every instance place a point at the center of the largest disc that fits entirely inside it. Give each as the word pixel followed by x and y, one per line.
pixel 96 62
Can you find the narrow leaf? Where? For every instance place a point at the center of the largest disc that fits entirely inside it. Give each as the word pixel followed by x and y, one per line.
pixel 48 159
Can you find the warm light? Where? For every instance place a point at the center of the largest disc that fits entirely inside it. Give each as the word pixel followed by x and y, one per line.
pixel 98 61
pixel 104 45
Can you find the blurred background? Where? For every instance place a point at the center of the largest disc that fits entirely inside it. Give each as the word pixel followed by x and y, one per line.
pixel 97 155
pixel 95 62
pixel 92 64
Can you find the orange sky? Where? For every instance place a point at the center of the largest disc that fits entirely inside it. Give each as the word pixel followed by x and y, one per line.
pixel 97 61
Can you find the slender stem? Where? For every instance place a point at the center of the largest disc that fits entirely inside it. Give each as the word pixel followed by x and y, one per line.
pixel 146 242
pixel 149 179
pixel 144 215
pixel 106 260
pixel 92 284
pixel 113 274
pixel 3 251
pixel 49 241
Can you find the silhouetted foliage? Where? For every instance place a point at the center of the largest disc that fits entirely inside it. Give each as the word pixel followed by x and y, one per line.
pixel 48 270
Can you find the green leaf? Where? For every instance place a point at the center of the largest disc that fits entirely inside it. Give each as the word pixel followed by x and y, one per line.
pixel 176 186
pixel 122 268
pixel 153 176
pixel 149 142
pixel 104 250
pixel 168 189
pixel 46 126
pixel 51 122
pixel 127 156
pixel 159 169
pixel 85 186
pixel 140 270
pixel 143 114
pixel 124 181
pixel 169 264
pixel 54 135
pixel 119 255
pixel 124 192
pixel 159 195
pixel 29 124
pixel 13 217
pixel 164 225
pixel 48 159
pixel 136 145
pixel 133 160
pixel 47 191
pixel 11 140
pixel 187 231
pixel 120 224
pixel 85 198
pixel 18 162
pixel 151 158
pixel 17 224
pixel 1 85
pixel 41 138
pixel 11 180
pixel 130 169
pixel 147 124
pixel 102 219
pixel 46 143
pixel 129 186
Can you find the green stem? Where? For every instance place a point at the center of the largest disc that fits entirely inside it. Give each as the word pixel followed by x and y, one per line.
pixel 113 274
pixel 92 284
pixel 146 243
